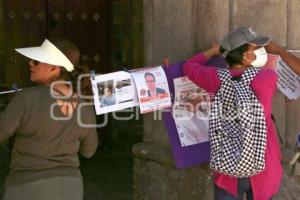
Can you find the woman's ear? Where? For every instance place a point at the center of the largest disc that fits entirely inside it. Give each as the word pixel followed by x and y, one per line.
pixel 248 57
pixel 55 70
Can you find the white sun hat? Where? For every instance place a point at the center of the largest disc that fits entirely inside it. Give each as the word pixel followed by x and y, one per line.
pixel 47 53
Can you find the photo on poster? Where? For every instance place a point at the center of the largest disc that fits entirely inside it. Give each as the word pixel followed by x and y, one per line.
pixel 113 92
pixel 191 112
pixel 152 88
pixel 107 93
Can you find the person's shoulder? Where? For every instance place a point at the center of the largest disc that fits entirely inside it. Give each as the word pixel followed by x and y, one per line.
pixel 267 75
pixel 31 96
pixel 32 92
pixel 37 89
pixel 160 90
pixel 267 72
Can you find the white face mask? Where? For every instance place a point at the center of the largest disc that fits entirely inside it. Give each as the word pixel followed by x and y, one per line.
pixel 261 57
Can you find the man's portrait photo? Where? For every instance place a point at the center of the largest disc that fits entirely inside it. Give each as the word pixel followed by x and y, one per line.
pixel 151 84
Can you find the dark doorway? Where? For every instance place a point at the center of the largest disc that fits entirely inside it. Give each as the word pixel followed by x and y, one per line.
pixel 86 23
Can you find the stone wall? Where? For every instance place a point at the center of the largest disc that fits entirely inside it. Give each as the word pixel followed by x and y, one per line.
pixel 179 29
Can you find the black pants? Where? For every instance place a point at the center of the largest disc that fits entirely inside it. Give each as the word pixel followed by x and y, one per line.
pixel 244 187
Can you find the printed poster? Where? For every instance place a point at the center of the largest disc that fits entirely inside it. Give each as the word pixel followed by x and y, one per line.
pixel 288 82
pixel 152 89
pixel 190 111
pixel 186 153
pixel 113 92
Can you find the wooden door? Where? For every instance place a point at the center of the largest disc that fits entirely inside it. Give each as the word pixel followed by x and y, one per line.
pixel 29 22
pixel 87 24
pixel 24 24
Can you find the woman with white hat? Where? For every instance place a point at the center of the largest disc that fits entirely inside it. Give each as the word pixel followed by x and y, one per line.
pixel 49 126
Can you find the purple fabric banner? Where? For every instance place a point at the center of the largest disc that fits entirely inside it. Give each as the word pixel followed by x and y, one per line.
pixel 194 154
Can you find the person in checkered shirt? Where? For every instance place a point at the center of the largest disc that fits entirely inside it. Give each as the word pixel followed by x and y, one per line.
pixel 242 49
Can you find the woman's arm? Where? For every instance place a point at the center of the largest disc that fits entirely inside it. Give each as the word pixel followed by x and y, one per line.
pixel 89 139
pixel 12 116
pixel 214 51
pixel 292 61
pixel 203 76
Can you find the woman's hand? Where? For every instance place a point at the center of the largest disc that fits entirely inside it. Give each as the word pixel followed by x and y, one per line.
pixel 292 61
pixel 213 51
pixel 273 48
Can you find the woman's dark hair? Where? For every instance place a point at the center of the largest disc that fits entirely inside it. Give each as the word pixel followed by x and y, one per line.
pixel 235 56
pixel 73 54
pixel 149 74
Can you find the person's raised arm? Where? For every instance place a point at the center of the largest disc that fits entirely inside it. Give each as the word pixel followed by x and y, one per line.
pixel 213 51
pixel 292 61
pixel 11 117
pixel 203 76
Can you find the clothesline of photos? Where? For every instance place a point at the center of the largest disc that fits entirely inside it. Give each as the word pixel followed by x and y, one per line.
pixel 148 88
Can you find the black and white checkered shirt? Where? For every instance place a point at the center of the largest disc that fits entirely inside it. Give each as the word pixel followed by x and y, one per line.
pixel 237 127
